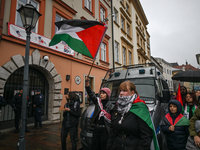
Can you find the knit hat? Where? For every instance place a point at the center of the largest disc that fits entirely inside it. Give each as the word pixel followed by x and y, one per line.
pixel 107 90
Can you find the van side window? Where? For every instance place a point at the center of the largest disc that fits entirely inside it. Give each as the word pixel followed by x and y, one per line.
pixel 160 87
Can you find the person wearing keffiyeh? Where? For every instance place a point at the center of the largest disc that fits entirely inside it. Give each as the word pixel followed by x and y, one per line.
pixel 131 124
pixel 101 117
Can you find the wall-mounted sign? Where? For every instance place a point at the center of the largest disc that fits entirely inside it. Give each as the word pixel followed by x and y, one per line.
pixel 77 80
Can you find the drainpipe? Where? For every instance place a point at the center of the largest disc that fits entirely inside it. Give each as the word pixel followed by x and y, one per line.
pixel 2 6
pixel 113 50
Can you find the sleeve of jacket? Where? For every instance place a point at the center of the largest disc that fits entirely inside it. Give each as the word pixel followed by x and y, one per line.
pixel 13 101
pixel 165 129
pixel 195 117
pixel 2 101
pixel 91 94
pixel 76 113
pixel 146 135
pixel 111 132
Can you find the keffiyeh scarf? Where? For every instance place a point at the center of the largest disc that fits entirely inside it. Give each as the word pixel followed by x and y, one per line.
pixel 124 104
pixel 103 112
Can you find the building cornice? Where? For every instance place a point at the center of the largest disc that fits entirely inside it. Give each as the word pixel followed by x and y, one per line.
pixel 138 7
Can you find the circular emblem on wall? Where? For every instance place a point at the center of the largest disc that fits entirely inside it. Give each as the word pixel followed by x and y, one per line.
pixel 77 80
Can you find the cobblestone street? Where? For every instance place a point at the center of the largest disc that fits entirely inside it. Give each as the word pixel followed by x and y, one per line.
pixel 47 138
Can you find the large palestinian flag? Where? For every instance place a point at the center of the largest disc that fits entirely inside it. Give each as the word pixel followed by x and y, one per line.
pixel 83 36
pixel 140 109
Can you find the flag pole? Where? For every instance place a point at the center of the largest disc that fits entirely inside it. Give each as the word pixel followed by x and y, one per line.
pixel 91 68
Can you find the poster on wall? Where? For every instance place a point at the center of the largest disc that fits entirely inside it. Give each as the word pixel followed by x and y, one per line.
pixel 35 38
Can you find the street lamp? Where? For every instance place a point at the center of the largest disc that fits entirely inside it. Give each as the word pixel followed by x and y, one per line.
pixel 198 58
pixel 29 16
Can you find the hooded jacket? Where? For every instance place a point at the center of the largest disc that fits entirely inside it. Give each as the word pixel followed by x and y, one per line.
pixel 97 109
pixel 195 117
pixel 177 139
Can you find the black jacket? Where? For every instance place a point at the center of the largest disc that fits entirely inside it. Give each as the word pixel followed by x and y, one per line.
pixel 2 102
pixel 38 100
pixel 16 102
pixel 177 139
pixel 97 109
pixel 132 134
pixel 71 117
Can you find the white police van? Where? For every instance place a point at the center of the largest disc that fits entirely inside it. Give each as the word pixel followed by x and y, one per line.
pixel 151 87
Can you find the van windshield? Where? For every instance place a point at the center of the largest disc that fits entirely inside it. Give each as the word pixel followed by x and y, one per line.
pixel 145 88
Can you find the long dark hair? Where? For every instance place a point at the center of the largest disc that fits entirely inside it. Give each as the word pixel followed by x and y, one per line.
pixel 72 96
pixel 192 94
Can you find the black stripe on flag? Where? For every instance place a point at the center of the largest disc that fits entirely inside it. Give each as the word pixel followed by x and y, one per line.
pixel 78 23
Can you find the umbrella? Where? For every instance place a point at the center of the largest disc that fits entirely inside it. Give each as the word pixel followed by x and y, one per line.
pixel 187 76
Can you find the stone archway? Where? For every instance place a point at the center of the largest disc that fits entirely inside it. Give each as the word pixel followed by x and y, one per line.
pixel 48 69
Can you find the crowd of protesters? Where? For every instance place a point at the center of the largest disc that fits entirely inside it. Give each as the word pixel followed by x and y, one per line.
pixel 126 125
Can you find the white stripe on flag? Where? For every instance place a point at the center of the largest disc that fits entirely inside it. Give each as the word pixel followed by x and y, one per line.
pixel 67 29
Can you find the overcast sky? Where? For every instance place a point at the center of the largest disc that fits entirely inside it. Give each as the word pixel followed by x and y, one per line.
pixel 174 27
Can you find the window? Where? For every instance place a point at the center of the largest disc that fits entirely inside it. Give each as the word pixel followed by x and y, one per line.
pixel 138 60
pixel 116 51
pixel 124 56
pixel 88 4
pixel 102 14
pixel 137 38
pixel 103 51
pixel 18 18
pixel 128 29
pixel 130 57
pixel 122 23
pixel 58 18
pixel 127 7
pixel 116 14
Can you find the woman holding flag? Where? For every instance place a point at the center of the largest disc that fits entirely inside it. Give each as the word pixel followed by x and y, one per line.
pixel 131 124
pixel 101 117
pixel 175 126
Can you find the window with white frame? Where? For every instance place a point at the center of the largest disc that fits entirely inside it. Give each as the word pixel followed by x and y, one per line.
pixel 116 51
pixel 124 55
pixel 122 23
pixel 129 57
pixel 116 15
pixel 88 4
pixel 102 14
pixel 103 51
pixel 18 18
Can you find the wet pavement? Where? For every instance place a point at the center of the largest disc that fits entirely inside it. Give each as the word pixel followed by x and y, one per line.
pixel 47 138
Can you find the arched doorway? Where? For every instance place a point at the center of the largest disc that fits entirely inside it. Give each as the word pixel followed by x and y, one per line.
pixel 36 81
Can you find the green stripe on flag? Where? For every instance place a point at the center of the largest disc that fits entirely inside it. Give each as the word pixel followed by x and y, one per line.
pixel 73 43
pixel 182 122
pixel 141 110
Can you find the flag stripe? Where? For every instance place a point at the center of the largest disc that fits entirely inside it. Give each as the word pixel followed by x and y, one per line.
pixel 79 46
pixel 92 42
pixel 78 23
pixel 141 110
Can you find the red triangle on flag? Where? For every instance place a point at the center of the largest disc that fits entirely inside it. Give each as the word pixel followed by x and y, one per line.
pixel 179 97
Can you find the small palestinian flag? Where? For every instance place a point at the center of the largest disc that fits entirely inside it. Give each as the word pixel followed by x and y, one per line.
pixel 179 97
pixel 83 36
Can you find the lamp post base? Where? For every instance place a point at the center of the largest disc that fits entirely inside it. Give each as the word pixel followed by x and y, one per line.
pixel 21 144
